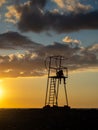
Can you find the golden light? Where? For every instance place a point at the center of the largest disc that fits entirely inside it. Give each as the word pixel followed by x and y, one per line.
pixel 1 92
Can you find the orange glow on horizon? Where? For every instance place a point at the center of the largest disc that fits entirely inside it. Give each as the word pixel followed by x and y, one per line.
pixel 29 92
pixel 1 90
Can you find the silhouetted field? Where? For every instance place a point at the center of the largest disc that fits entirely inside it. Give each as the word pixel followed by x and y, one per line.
pixel 48 119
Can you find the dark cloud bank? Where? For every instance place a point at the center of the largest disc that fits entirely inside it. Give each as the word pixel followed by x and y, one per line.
pixel 13 40
pixel 35 18
pixel 31 63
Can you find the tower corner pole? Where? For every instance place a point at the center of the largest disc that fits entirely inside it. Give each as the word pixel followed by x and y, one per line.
pixel 47 82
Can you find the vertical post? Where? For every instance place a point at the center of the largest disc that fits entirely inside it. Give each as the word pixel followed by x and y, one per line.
pixel 66 94
pixel 60 62
pixel 47 82
pixel 57 92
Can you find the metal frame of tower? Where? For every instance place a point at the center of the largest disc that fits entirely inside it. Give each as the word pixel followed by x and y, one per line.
pixel 56 73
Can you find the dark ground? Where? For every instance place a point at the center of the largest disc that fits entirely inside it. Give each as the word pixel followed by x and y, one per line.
pixel 51 119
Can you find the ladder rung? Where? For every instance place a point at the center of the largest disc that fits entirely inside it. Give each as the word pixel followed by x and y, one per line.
pixel 52 86
pixel 50 100
pixel 52 92
pixel 52 89
pixel 51 96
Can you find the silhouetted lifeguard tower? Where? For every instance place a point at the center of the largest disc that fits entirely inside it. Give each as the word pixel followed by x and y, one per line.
pixel 57 74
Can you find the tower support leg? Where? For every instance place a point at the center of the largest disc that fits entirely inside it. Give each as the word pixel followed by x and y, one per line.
pixel 66 94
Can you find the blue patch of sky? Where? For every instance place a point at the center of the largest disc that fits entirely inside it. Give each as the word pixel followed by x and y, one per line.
pixel 50 5
pixel 5 27
pixel 44 38
pixel 87 37
pixel 14 2
pixel 93 3
pixel 11 51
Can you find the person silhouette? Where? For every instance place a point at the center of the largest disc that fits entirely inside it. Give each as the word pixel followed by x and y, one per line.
pixel 60 75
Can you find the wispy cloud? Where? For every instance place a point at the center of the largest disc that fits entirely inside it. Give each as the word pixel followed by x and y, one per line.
pixel 73 6
pixel 71 41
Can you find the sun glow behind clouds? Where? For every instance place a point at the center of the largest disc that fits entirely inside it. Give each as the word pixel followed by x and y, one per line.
pixel 1 90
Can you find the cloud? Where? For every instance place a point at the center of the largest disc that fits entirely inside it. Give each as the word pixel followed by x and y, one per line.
pixel 71 41
pixel 35 18
pixel 2 2
pixel 31 63
pixel 34 13
pixel 21 65
pixel 93 48
pixel 14 40
pixel 73 6
pixel 12 14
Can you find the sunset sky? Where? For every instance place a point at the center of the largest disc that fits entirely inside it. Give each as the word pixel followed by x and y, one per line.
pixel 30 31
